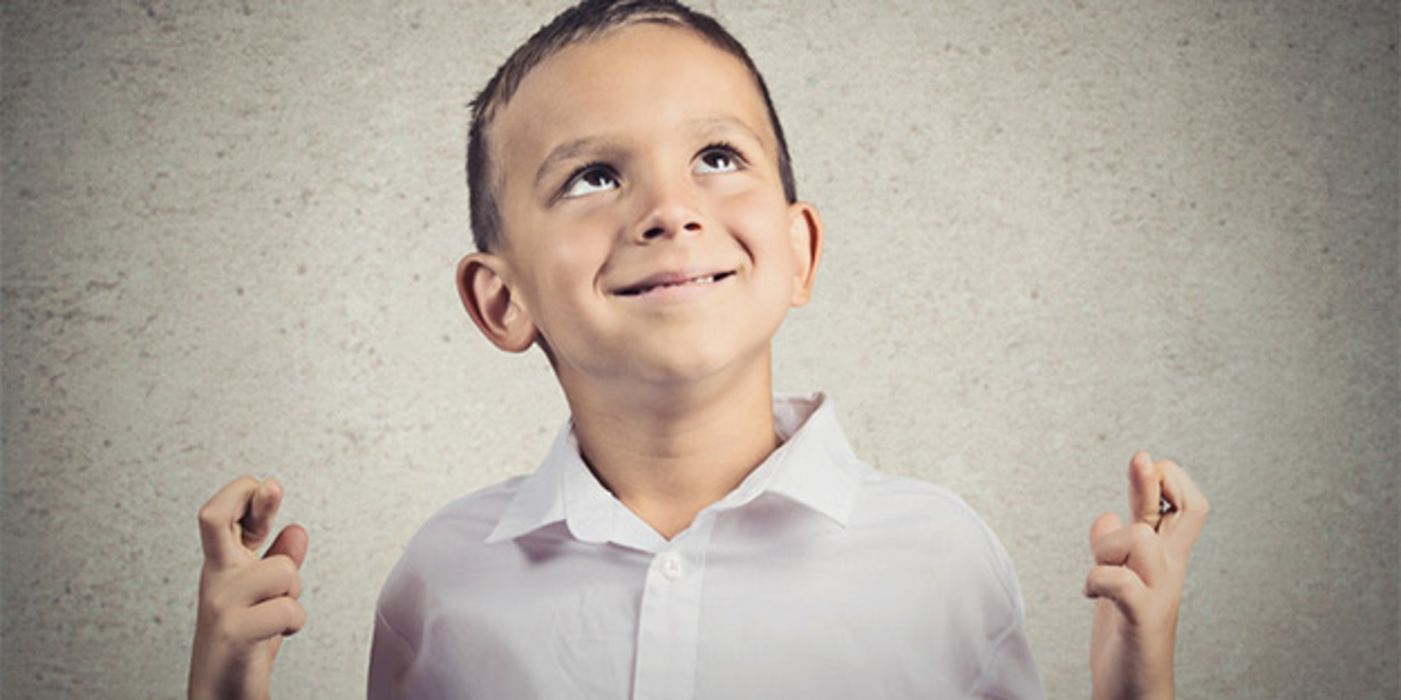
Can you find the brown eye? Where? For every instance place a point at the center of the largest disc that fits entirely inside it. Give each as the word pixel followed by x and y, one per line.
pixel 718 159
pixel 590 180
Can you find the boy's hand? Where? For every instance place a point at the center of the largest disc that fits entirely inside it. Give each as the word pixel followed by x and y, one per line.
pixel 246 603
pixel 1138 581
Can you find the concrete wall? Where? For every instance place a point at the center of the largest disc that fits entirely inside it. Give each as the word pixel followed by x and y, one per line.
pixel 1057 233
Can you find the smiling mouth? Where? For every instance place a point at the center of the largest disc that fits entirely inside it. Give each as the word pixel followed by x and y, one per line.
pixel 640 289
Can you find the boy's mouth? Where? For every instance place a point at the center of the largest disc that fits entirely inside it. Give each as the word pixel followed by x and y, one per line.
pixel 671 279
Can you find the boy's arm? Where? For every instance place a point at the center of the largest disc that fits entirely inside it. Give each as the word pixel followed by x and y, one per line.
pixel 247 604
pixel 1138 581
pixel 390 658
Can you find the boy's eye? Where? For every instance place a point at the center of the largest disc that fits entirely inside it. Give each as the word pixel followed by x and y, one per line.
pixel 718 158
pixel 590 179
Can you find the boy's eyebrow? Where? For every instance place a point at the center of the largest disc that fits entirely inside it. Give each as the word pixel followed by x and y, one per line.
pixel 575 147
pixel 707 124
pixel 566 151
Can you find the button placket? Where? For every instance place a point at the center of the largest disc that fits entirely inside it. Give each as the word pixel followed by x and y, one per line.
pixel 668 630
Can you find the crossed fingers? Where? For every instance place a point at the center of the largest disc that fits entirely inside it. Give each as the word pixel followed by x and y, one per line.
pixel 261 592
pixel 237 519
pixel 1149 554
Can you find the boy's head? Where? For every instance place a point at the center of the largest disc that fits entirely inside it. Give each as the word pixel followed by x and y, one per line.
pixel 587 20
pixel 632 202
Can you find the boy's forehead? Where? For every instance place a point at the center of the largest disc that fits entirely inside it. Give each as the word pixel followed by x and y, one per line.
pixel 634 81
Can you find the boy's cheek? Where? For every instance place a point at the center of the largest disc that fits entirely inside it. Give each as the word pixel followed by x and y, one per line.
pixel 578 229
pixel 761 223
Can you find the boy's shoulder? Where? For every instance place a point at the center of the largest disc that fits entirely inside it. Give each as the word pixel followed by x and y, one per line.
pixel 921 506
pixel 448 544
pixel 466 520
pixel 929 518
pixel 929 504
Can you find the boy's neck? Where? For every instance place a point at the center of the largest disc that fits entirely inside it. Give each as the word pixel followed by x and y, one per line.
pixel 669 451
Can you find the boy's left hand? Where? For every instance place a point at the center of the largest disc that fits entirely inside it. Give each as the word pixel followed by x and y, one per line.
pixel 1138 581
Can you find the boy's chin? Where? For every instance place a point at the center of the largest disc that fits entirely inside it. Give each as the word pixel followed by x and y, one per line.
pixel 675 373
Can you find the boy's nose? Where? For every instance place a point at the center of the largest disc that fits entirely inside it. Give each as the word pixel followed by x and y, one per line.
pixel 661 230
pixel 670 213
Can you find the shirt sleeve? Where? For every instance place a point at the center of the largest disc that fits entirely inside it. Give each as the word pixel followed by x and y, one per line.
pixel 1009 672
pixel 396 642
pixel 1006 669
pixel 390 657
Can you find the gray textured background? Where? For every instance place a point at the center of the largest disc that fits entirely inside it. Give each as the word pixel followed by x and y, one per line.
pixel 1057 233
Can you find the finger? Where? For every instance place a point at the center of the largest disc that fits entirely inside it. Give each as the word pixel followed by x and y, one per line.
pixel 278 616
pixel 291 542
pixel 1145 493
pixel 1167 508
pixel 266 579
pixel 1137 547
pixel 1103 525
pixel 1121 586
pixel 218 519
pixel 1184 525
pixel 257 522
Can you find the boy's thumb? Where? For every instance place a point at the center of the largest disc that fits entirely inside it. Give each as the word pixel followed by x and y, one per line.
pixel 292 541
pixel 1102 526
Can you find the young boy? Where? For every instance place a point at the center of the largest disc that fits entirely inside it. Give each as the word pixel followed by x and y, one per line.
pixel 689 535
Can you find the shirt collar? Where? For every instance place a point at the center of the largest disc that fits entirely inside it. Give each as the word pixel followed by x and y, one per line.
pixel 814 466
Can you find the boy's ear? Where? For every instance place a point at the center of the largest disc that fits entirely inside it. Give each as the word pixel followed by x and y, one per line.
pixel 490 301
pixel 805 235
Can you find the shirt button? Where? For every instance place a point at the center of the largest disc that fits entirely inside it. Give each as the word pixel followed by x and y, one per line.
pixel 671 566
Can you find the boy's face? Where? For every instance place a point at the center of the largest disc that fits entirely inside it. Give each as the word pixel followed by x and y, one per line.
pixel 642 156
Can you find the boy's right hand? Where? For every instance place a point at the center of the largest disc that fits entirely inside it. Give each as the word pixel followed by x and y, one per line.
pixel 247 604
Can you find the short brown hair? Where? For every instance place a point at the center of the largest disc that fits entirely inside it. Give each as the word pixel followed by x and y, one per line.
pixel 584 21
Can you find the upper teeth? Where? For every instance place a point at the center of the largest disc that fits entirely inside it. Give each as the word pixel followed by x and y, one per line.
pixel 701 279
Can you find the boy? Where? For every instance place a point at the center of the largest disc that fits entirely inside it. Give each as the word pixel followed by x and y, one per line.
pixel 689 534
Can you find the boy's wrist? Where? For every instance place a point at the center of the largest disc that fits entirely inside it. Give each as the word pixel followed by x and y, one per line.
pixel 1161 692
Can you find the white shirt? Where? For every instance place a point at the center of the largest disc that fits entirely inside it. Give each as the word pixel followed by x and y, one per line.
pixel 817 577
